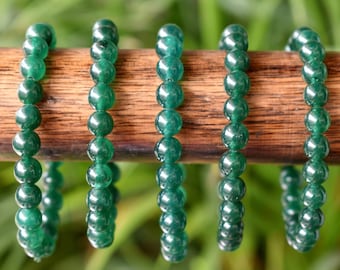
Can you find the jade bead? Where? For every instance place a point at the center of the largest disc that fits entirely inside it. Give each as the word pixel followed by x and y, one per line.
pixel 314 196
pixel 99 221
pixel 105 33
pixel 230 231
pixel 100 123
pixel 99 175
pixel 234 28
pixel 304 36
pixel 316 146
pixel 28 196
pixel 101 97
pixel 173 221
pixel 171 199
pixel 28 117
pixel 317 120
pixel 291 199
pixel 43 31
pixel 27 170
pixel 312 51
pixel 316 94
pixel 32 67
pixel 52 199
pixel 51 220
pixel 170 95
pixel 235 136
pixel 30 239
pixel 306 239
pixel 232 164
pixel 26 142
pixel 290 178
pixel 170 68
pixel 100 149
pixel 234 41
pixel 168 149
pixel 231 212
pixel 170 30
pixel 30 92
pixel 169 176
pixel 100 239
pixel 236 83
pixel 311 218
pixel 103 71
pixel 36 47
pixel 314 71
pixel 115 171
pixel 315 170
pixel 236 109
pixel 168 122
pixel 236 60
pixel 99 199
pixel 172 242
pixel 232 189
pixel 104 49
pixel 169 46
pixel 28 218
pixel 102 23
pixel 53 180
pixel 229 245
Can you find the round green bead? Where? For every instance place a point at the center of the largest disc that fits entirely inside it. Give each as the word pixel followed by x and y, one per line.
pixel 27 170
pixel 291 202
pixel 232 189
pixel 236 83
pixel 317 120
pixel 99 176
pixel 290 178
pixel 30 92
pixel 316 94
pixel 234 41
pixel 314 196
pixel 172 242
pixel 305 239
pixel 171 199
pixel 99 220
pixel 316 146
pixel 104 49
pixel 28 117
pixel 234 28
pixel 168 122
pixel 105 31
pixel 104 23
pixel 173 221
pixel 43 31
pixel 170 95
pixel 236 109
pixel 315 170
pixel 169 46
pixel 311 218
pixel 170 68
pixel 168 149
pixel 100 239
pixel 100 123
pixel 115 171
pixel 28 218
pixel 230 233
pixel 53 180
pixel 231 212
pixel 232 164
pixel 170 176
pixel 99 199
pixel 314 71
pixel 30 239
pixel 52 199
pixel 100 149
pixel 170 30
pixel 26 142
pixel 303 36
pixel 36 47
pixel 312 51
pixel 32 67
pixel 235 136
pixel 229 244
pixel 236 60
pixel 51 220
pixel 28 196
pixel 101 97
pixel 103 71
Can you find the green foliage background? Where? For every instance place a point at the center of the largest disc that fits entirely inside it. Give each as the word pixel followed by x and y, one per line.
pixel 269 24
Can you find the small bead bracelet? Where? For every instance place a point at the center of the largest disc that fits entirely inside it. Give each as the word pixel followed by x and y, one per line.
pixel 302 214
pixel 37 232
pixel 168 150
pixel 102 174
pixel 234 41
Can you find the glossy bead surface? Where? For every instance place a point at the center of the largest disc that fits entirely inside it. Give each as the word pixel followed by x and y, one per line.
pixel 170 30
pixel 290 178
pixel 236 109
pixel 169 95
pixel 101 97
pixel 105 32
pixel 314 196
pixel 100 123
pixel 27 170
pixel 170 68
pixel 28 218
pixel 316 146
pixel 232 164
pixel 28 117
pixel 236 83
pixel 98 220
pixel 100 149
pixel 311 218
pixel 231 212
pixel 232 189
pixel 168 149
pixel 100 239
pixel 103 71
pixel 174 241
pixel 99 199
pixel 316 94
pixel 43 31
pixel 317 120
pixel 230 231
pixel 235 136
pixel 314 72
pixel 169 46
pixel 168 122
pixel 52 200
pixel 53 179
pixel 32 67
pixel 234 41
pixel 30 92
pixel 305 35
pixel 28 196
pixel 315 171
pixel 36 47
pixel 234 28
pixel 99 176
pixel 170 176
pixel 312 51
pixel 173 221
pixel 104 49
pixel 171 199
pixel 236 60
pixel 26 142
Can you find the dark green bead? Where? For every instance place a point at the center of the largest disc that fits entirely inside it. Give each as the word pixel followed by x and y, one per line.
pixel 52 200
pixel 173 221
pixel 231 212
pixel 229 245
pixel 100 239
pixel 28 196
pixel 27 170
pixel 290 178
pixel 170 68
pixel 236 60
pixel 33 68
pixel 32 238
pixel 28 117
pixel 306 239
pixel 311 219
pixel 43 31
pixel 317 120
pixel 291 41
pixel 36 47
pixel 170 176
pixel 99 176
pixel 51 219
pixel 104 49
pixel 100 123
pixel 232 189
pixel 169 95
pixel 103 71
pixel 170 30
pixel 171 199
pixel 230 231
pixel 314 72
pixel 315 171
pixel 99 199
pixel 232 164
pixel 172 242
pixel 168 122
pixel 99 221
pixel 169 46
pixel 105 30
pixel 100 149
pixel 115 171
pixel 30 92
pixel 304 36
pixel 236 83
pixel 104 23
pixel 232 29
pixel 235 136
pixel 26 142
pixel 101 97
pixel 174 257
pixel 53 180
pixel 168 149
pixel 234 41
pixel 314 196
pixel 28 218
pixel 312 51
pixel 316 146
pixel 316 94
pixel 236 109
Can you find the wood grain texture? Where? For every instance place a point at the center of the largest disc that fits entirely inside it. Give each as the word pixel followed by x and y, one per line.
pixel 275 122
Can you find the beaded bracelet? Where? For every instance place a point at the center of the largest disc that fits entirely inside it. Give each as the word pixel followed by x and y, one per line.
pixel 37 232
pixel 168 149
pixel 303 222
pixel 232 164
pixel 102 174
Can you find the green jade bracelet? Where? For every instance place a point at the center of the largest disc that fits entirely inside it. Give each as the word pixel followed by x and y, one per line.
pixel 102 174
pixel 232 164
pixel 168 149
pixel 301 212
pixel 37 232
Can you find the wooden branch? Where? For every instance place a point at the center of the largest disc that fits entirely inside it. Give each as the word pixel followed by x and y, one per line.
pixel 275 122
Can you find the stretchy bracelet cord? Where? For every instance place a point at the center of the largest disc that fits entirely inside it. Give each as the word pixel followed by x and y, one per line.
pixel 37 232
pixel 302 214
pixel 235 137
pixel 168 149
pixel 102 174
